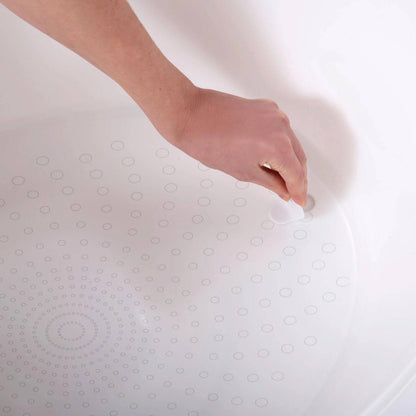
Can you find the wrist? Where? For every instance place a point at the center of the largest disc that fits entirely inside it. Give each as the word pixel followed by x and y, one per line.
pixel 164 94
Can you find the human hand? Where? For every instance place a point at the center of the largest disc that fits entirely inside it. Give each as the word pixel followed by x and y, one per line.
pixel 239 136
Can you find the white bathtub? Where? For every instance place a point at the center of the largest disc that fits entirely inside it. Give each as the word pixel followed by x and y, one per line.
pixel 136 281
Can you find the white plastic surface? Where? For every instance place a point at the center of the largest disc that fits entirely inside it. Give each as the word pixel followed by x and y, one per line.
pixel 284 212
pixel 343 71
pixel 137 281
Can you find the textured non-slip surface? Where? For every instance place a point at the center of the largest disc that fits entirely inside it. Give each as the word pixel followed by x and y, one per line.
pixel 136 281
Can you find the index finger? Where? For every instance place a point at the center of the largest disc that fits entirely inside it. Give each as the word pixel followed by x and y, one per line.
pixel 291 170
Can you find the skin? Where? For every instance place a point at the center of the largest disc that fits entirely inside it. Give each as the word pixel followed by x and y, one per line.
pixel 235 135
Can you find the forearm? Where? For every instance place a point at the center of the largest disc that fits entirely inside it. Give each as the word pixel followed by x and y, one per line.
pixel 108 34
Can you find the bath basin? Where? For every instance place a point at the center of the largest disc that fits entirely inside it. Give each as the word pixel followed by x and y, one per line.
pixel 136 281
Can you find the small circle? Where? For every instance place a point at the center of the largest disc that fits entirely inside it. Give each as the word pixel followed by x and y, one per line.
pixel 329 296
pixel 243 333
pixel 318 264
pixel 187 235
pixel 290 320
pixel 253 377
pixel 85 158
pixel 32 194
pixel 225 269
pixel 128 161
pixel 287 348
pixel 236 290
pixel 241 185
pixel 56 175
pixel 311 310
pixel 256 278
pixel 261 402
pixel 228 377
pixel 102 190
pixel 277 376
pixel 242 255
pixel 343 281
pixel 238 355
pixel 170 187
pixel 75 207
pixel 136 196
pixel 208 251
pixel 274 265
pixel 204 201
pixel 14 216
pixel 285 292
pixel 233 219
pixel 18 180
pixel 168 205
pixel 256 241
pixel 117 145
pixel 45 209
pixel 162 153
pixel 328 247
pixel 240 202
pixel 96 174
pixel 42 160
pixel 310 341
pixel 263 353
pixel 266 328
pixel 106 209
pixel 168 169
pixel 289 251
pixel 242 311
pixel 265 302
pixel 197 219
pixel 213 396
pixel 54 226
pixel 237 400
pixel 206 183
pixel 300 234
pixel 134 178
pixel 163 223
pixel 221 236
pixel 304 279
pixel 135 213
pixel 67 190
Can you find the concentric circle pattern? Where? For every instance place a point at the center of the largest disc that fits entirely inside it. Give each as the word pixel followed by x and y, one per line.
pixel 136 281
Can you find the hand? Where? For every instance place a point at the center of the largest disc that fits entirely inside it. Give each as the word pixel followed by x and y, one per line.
pixel 238 136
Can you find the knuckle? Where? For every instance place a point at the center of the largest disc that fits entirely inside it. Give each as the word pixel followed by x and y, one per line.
pixel 284 148
pixel 284 118
pixel 272 104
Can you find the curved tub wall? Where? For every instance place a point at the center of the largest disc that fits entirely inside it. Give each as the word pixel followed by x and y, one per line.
pixel 99 318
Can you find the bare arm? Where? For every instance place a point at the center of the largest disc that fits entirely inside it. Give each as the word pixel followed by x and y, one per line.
pixel 223 131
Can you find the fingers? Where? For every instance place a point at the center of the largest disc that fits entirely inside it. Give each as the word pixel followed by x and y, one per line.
pixel 291 170
pixel 272 180
pixel 300 154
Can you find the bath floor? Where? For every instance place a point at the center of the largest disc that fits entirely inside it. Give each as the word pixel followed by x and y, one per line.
pixel 135 280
